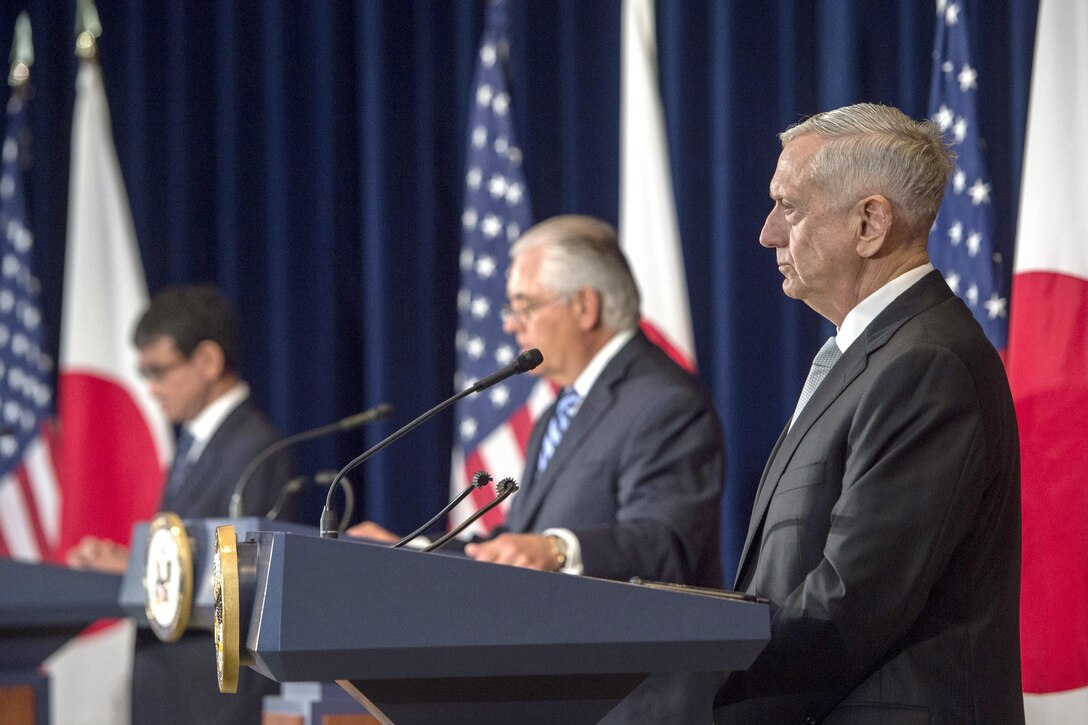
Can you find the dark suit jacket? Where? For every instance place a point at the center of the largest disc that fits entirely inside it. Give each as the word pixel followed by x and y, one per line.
pixel 637 478
pixel 886 533
pixel 175 682
pixel 210 481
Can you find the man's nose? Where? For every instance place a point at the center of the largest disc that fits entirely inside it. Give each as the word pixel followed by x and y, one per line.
pixel 773 233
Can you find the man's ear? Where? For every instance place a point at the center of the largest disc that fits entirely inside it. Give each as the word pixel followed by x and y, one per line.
pixel 210 360
pixel 586 303
pixel 873 216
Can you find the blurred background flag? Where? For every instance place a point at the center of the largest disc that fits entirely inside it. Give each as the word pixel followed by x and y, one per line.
pixel 649 232
pixel 29 498
pixel 961 244
pixel 114 441
pixel 1048 350
pixel 491 428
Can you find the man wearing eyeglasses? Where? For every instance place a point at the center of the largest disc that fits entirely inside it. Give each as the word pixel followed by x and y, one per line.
pixel 623 475
pixel 189 353
pixel 631 487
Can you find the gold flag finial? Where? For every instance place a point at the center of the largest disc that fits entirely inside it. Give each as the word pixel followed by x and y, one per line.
pixel 88 29
pixel 22 52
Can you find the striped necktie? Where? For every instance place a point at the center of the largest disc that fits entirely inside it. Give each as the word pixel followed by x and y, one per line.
pixel 557 426
pixel 821 365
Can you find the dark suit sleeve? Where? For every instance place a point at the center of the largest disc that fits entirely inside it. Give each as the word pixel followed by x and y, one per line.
pixel 668 489
pixel 913 478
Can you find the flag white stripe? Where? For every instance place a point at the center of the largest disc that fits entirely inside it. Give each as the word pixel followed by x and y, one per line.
pixel 43 482
pixel 649 231
pixel 1056 707
pixel 540 399
pixel 1056 118
pixel 502 454
pixel 15 522
pixel 102 246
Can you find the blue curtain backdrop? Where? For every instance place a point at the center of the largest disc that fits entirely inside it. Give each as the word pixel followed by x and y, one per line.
pixel 307 157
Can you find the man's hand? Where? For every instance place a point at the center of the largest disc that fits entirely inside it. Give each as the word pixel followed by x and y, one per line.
pixel 532 551
pixel 370 530
pixel 98 555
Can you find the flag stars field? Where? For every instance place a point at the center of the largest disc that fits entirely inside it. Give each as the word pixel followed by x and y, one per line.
pixel 979 192
pixel 974 243
pixel 962 239
pixel 996 306
pixel 485 266
pixel 968 78
pixel 496 210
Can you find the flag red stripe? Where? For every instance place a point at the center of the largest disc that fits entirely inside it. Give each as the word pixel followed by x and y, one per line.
pixel 522 424
pixel 1049 376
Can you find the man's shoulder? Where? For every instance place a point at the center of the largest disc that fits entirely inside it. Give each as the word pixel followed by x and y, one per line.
pixel 644 375
pixel 643 362
pixel 246 427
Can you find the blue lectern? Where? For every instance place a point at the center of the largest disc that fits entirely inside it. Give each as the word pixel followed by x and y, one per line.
pixel 426 638
pixel 41 607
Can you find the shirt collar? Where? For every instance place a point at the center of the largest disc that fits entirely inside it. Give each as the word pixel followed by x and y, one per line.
pixel 207 421
pixel 867 310
pixel 585 380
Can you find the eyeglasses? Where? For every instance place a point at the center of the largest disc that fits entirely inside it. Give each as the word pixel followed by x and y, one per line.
pixel 521 315
pixel 155 373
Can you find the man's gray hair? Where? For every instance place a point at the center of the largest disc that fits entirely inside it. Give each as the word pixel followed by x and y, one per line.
pixel 583 251
pixel 874 149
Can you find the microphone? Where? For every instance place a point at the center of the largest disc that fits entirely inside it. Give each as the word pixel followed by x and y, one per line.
pixel 524 362
pixel 321 478
pixel 505 488
pixel 479 480
pixel 378 412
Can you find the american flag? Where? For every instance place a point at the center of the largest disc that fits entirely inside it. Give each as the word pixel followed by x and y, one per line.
pixel 961 243
pixel 29 497
pixel 492 427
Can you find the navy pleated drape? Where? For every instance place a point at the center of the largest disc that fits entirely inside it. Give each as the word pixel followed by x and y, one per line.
pixel 307 157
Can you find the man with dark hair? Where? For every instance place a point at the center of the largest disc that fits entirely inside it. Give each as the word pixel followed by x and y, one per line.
pixel 189 345
pixel 886 529
pixel 189 315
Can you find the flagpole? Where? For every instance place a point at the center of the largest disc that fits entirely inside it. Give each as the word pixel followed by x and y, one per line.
pixel 22 54
pixel 88 30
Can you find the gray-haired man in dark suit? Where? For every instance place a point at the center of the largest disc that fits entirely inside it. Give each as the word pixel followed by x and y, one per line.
pixel 886 529
pixel 623 474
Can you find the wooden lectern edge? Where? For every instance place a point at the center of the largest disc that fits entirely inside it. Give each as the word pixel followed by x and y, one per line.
pixel 365 701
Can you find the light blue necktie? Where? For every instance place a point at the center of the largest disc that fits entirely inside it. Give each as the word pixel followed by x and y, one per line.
pixel 821 365
pixel 557 426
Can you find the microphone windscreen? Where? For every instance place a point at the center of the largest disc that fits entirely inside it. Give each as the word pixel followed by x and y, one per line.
pixel 528 360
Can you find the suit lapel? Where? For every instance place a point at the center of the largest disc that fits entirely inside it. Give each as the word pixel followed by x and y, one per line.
pixel 197 495
pixel 758 508
pixel 601 398
pixel 926 293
